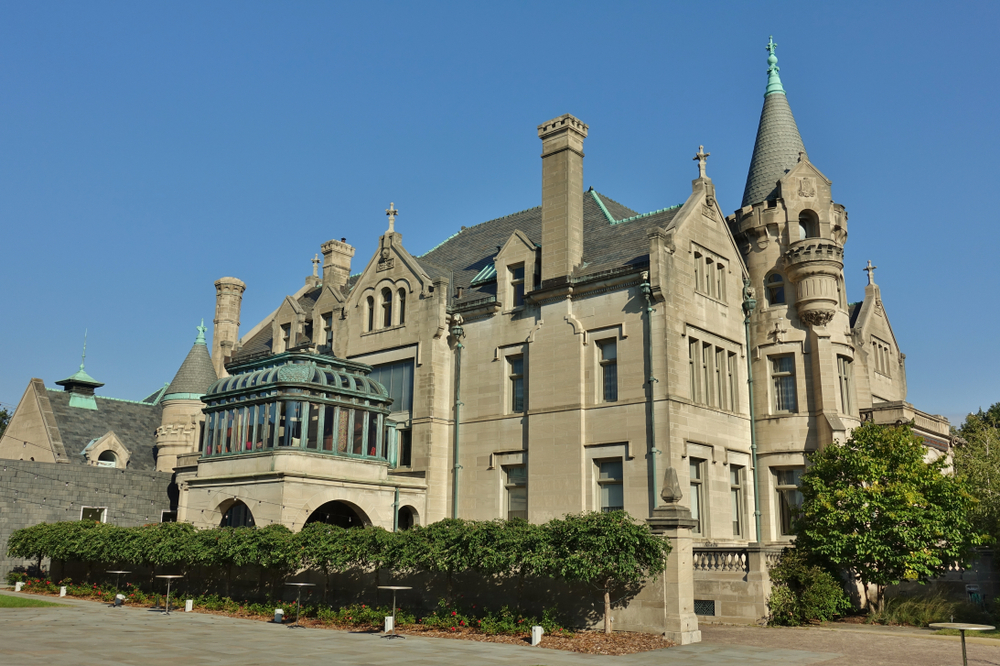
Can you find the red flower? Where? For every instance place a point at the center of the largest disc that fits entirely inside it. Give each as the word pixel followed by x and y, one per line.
pixel 453 613
pixel 462 622
pixel 453 629
pixel 362 605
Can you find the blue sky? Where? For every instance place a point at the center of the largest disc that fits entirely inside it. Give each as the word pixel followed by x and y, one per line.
pixel 147 149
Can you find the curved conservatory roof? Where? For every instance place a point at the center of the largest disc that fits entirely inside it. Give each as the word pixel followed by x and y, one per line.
pixel 325 373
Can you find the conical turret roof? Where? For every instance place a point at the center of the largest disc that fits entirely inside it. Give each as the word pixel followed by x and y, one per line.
pixel 778 143
pixel 196 373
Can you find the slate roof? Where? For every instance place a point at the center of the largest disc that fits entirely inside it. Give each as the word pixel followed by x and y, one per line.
pixel 196 373
pixel 775 151
pixel 134 423
pixel 606 245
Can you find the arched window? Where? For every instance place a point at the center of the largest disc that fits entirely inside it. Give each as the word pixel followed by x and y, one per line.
pixel 107 459
pixel 774 286
pixel 371 314
pixel 401 299
pixel 238 515
pixel 386 307
pixel 808 224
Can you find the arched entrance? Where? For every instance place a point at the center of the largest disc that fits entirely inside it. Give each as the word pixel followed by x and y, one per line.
pixel 339 513
pixel 408 517
pixel 238 515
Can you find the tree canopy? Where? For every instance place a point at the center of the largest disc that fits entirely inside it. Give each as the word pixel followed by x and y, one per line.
pixel 977 462
pixel 874 506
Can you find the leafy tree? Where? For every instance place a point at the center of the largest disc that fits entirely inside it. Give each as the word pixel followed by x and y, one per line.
pixel 441 547
pixel 510 548
pixel 607 550
pixel 5 417
pixel 875 507
pixel 977 461
pixel 802 591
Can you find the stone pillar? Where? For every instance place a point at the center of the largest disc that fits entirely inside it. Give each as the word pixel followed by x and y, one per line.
pixel 758 578
pixel 562 195
pixel 336 262
pixel 674 522
pixel 225 335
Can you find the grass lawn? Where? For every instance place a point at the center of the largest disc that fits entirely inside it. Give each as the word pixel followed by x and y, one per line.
pixel 7 601
pixel 970 634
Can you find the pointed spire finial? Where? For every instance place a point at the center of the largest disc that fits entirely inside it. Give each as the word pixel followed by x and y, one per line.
pixel 392 213
pixel 871 272
pixel 773 80
pixel 200 340
pixel 83 358
pixel 315 262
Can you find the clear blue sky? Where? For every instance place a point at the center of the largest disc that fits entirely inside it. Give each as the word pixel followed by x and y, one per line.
pixel 147 149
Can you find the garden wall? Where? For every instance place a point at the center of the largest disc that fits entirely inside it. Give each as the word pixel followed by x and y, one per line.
pixel 38 492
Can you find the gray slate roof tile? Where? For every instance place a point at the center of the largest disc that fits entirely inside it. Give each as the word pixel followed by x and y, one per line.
pixel 775 151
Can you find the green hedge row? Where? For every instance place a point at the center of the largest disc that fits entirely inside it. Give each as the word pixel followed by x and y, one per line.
pixel 607 550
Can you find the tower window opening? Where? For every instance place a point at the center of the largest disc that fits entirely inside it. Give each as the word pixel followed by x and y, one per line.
pixel 775 289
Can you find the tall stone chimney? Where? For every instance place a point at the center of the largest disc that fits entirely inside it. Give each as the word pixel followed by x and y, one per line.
pixel 336 262
pixel 225 335
pixel 562 195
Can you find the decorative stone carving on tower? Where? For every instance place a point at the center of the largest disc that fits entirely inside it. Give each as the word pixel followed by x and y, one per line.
pixel 562 195
pixel 226 334
pixel 814 266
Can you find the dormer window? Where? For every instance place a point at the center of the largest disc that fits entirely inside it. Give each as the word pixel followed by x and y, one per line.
pixel 328 329
pixel 775 288
pixel 371 314
pixel 516 273
pixel 401 300
pixel 286 336
pixel 386 307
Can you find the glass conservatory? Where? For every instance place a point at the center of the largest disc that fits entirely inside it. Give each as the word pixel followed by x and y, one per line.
pixel 299 400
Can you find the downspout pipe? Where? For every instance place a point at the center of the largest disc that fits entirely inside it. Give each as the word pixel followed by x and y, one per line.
pixel 749 305
pixel 647 292
pixel 457 332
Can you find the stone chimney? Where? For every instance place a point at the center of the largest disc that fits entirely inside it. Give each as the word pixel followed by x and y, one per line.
pixel 562 195
pixel 225 335
pixel 336 262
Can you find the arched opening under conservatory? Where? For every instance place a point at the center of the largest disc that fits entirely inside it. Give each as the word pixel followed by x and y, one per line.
pixel 238 515
pixel 339 513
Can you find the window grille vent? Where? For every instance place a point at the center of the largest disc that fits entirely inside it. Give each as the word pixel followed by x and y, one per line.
pixel 704 607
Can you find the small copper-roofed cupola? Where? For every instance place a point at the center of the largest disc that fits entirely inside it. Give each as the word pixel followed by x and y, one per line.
pixel 80 385
pixel 562 195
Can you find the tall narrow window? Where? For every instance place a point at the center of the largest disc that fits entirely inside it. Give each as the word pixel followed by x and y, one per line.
pixel 706 372
pixel 328 329
pixel 733 377
pixel 371 313
pixel 709 287
pixel 783 383
pixel 720 378
pixel 386 307
pixel 312 432
pixel 329 416
pixel 405 448
pixel 610 478
pixel 720 281
pixel 697 495
pixel 401 301
pixel 515 365
pixel 808 224
pixel 609 369
pixel 736 497
pixel 789 497
pixel 516 489
pixel 517 285
pixel 293 423
pixel 693 367
pixel 698 271
pixel 846 374
pixel 775 287
pixel 286 336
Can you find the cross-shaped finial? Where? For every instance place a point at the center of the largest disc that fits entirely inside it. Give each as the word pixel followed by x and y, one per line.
pixel 392 213
pixel 315 262
pixel 701 156
pixel 771 45
pixel 871 272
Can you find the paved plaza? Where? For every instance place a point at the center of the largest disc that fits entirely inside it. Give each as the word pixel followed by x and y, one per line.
pixel 86 633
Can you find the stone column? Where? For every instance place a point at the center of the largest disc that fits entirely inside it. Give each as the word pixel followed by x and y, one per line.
pixel 674 522
pixel 225 335
pixel 758 578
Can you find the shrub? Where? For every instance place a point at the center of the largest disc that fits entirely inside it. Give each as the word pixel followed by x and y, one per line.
pixel 15 577
pixel 920 610
pixel 802 591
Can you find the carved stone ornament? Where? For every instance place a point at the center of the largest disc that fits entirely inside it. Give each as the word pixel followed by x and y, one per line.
pixel 817 317
pixel 386 263
pixel 671 492
pixel 807 187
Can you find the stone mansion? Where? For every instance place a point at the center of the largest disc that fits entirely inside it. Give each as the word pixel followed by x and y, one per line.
pixel 575 356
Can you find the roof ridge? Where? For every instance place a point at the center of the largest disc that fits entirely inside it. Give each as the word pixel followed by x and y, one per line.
pixel 652 212
pixel 105 397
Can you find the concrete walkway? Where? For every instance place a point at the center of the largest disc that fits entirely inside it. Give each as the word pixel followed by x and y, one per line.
pixel 84 633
